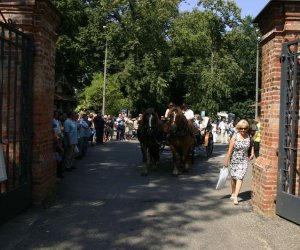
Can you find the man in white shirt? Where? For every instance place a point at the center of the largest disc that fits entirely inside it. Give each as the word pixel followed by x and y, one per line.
pixel 56 124
pixel 223 127
pixel 170 106
pixel 188 113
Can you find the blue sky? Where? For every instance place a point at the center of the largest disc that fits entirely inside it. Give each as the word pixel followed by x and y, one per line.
pixel 248 7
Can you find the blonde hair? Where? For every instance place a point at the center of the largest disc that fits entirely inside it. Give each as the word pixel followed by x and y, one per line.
pixel 81 114
pixel 242 123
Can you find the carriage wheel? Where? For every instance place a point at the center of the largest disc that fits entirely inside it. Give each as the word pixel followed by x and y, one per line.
pixel 210 146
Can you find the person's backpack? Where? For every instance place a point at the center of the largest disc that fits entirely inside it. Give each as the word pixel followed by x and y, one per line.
pixel 120 124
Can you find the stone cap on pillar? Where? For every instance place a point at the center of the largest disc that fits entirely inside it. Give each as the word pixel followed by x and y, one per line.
pixel 266 8
pixel 278 17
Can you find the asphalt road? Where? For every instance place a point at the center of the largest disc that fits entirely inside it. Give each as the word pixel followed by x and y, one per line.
pixel 106 204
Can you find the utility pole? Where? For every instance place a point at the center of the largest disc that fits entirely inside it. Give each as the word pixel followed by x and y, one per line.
pixel 104 75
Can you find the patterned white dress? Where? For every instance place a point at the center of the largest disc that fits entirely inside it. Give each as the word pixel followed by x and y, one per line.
pixel 239 159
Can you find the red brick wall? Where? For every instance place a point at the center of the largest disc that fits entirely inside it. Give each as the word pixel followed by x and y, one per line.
pixel 279 22
pixel 40 19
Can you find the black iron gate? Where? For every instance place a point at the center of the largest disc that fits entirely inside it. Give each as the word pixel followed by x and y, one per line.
pixel 288 194
pixel 16 53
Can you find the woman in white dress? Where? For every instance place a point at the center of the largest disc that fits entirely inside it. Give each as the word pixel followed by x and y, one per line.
pixel 238 157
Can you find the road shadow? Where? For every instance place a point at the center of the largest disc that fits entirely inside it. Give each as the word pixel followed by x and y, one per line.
pixel 245 196
pixel 106 204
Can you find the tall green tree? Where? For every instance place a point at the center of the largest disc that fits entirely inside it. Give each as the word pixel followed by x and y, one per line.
pixel 69 50
pixel 91 97
pixel 198 51
pixel 144 55
pixel 242 43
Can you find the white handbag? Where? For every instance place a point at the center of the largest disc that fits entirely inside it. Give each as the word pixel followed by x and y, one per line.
pixel 222 178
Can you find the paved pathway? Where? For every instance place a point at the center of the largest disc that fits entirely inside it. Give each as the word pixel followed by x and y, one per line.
pixel 106 204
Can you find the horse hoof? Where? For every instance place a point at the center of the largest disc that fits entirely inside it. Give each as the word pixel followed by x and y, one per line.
pixel 154 168
pixel 144 174
pixel 186 168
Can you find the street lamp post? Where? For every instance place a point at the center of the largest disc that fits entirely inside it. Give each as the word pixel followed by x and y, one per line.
pixel 257 73
pixel 104 76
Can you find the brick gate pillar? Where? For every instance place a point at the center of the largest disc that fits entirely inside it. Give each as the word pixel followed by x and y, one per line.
pixel 39 18
pixel 279 22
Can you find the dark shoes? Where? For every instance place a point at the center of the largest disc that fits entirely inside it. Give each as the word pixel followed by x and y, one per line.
pixel 70 169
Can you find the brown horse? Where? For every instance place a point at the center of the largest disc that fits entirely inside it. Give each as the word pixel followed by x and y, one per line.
pixel 181 138
pixel 149 134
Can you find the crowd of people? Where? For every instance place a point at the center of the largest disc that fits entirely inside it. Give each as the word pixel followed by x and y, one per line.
pixel 75 132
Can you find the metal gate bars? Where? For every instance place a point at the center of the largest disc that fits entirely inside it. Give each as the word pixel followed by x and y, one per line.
pixel 288 191
pixel 16 52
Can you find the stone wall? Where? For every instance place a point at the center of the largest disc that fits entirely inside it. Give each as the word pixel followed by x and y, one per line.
pixel 40 19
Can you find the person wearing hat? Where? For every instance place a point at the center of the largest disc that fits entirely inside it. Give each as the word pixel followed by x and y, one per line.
pixel 170 106
pixel 188 113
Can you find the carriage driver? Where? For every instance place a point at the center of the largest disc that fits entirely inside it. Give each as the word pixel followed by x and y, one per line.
pixel 200 124
pixel 170 106
pixel 188 113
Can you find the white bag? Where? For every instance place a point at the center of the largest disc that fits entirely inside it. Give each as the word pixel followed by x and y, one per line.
pixel 222 178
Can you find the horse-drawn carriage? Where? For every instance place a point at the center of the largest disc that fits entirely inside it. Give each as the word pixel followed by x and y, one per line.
pixel 203 135
pixel 176 132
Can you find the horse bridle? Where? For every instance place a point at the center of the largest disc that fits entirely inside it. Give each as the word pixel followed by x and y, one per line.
pixel 149 127
pixel 173 127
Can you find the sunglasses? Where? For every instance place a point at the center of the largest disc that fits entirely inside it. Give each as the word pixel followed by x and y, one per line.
pixel 243 128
